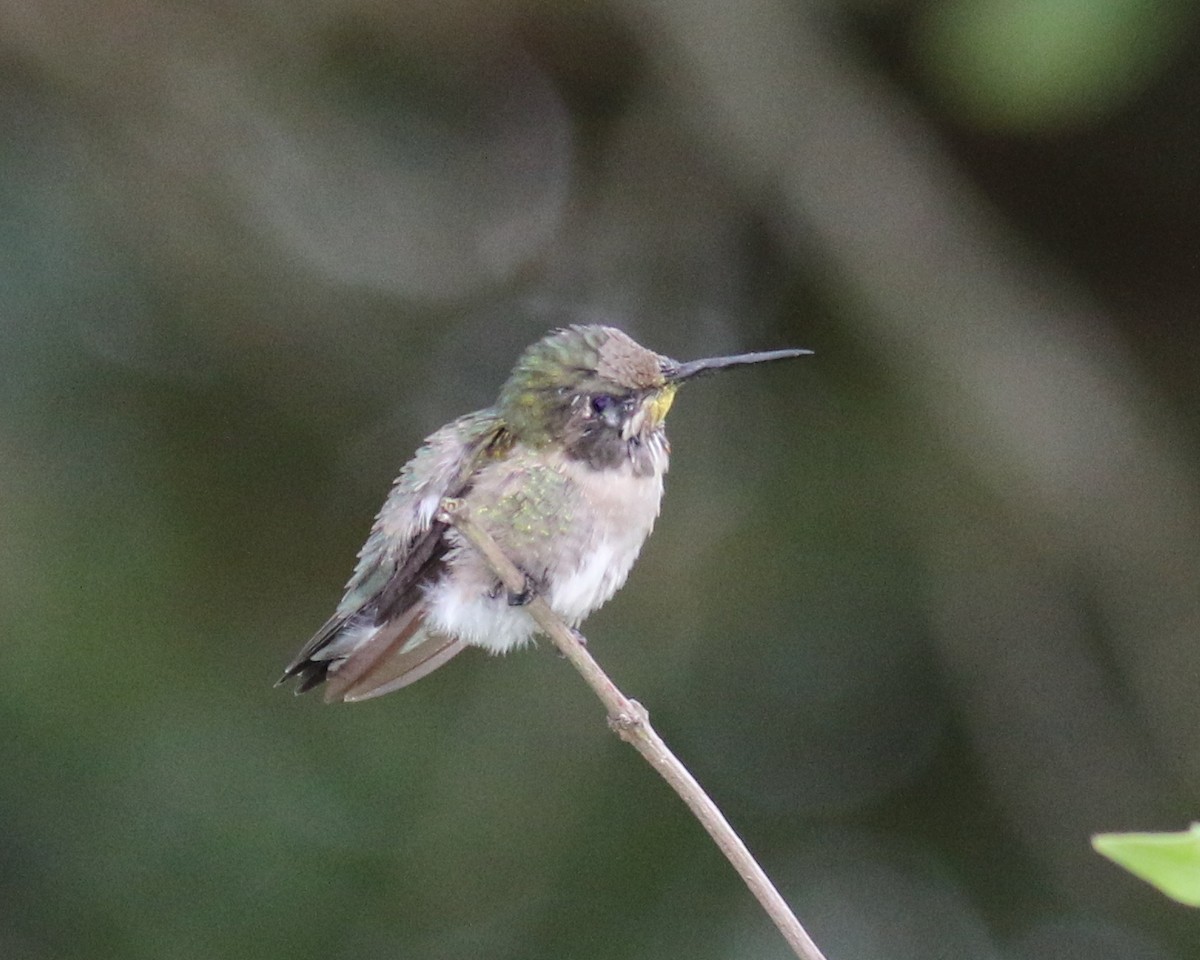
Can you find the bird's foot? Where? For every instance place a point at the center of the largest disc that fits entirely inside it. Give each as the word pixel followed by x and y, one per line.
pixel 516 598
pixel 525 594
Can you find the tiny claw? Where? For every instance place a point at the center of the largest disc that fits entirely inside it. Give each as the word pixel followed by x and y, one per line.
pixel 525 594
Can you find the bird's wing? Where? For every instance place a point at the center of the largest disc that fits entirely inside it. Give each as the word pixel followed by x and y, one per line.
pixel 375 638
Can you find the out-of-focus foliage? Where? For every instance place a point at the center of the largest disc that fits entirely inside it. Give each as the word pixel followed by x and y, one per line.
pixel 1048 63
pixel 921 611
pixel 1170 861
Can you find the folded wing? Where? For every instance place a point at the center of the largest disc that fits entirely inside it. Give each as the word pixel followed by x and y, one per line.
pixel 376 641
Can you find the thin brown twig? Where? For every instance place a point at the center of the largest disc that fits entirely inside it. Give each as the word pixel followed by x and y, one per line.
pixel 632 723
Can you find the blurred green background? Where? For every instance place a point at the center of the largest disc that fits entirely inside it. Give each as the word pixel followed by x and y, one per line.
pixel 922 611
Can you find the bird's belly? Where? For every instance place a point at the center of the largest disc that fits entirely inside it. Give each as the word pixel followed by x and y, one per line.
pixel 621 507
pixel 601 572
pixel 469 606
pixel 581 564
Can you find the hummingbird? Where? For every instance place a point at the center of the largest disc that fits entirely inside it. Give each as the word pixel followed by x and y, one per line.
pixel 565 472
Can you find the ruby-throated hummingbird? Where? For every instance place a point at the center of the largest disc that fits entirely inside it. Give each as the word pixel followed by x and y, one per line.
pixel 566 474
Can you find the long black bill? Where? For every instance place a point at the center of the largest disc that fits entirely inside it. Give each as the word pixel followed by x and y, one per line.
pixel 696 368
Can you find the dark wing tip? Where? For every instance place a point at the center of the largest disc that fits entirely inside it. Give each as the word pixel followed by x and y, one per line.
pixel 307 675
pixel 309 672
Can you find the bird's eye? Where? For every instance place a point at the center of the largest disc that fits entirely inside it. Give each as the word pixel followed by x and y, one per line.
pixel 608 408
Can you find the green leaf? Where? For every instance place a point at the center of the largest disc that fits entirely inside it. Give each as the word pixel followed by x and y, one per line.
pixel 1169 861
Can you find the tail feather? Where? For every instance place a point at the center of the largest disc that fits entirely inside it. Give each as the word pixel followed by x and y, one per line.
pixel 391 657
pixel 403 668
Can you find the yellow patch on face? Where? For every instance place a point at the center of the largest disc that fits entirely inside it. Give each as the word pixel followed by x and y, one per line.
pixel 659 402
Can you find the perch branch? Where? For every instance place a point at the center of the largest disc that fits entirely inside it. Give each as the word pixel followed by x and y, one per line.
pixel 631 722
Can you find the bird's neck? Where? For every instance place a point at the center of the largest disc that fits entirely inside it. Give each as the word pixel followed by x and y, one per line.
pixel 644 455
